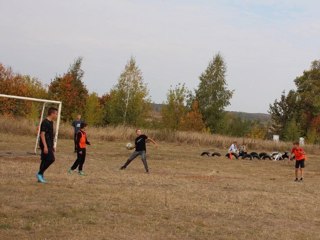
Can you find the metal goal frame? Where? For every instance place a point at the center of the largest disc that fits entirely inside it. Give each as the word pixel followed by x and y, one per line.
pixel 44 101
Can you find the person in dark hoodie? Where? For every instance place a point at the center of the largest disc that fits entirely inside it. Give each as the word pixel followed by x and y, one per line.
pixel 82 142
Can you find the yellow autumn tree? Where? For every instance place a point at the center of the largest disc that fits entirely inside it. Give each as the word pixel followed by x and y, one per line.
pixel 193 120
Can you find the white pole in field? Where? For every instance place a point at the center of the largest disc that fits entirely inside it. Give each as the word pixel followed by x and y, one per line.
pixel 30 99
pixel 58 125
pixel 39 128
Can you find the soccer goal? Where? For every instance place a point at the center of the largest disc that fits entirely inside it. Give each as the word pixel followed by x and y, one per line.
pixel 44 101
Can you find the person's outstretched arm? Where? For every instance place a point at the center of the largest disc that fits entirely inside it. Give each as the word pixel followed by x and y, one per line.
pixel 153 141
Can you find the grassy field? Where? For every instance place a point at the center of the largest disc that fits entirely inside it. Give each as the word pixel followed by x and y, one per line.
pixel 184 197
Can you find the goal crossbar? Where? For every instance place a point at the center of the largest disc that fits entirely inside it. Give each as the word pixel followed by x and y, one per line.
pixel 44 101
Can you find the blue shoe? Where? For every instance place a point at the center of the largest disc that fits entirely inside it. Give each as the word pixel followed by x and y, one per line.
pixel 45 180
pixel 40 178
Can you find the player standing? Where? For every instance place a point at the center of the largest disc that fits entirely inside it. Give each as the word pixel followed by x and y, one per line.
pixel 47 143
pixel 300 157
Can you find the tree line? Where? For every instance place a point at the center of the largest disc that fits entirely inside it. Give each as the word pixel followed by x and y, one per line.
pixel 129 103
pixel 297 113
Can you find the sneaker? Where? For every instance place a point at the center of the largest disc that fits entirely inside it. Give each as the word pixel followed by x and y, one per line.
pixel 70 171
pixel 40 178
pixel 296 180
pixel 81 173
pixel 44 178
pixel 301 179
pixel 123 168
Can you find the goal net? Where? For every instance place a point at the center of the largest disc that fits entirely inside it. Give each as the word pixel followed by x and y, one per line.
pixel 44 102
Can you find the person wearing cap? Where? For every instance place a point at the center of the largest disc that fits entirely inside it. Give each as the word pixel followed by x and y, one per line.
pixel 76 124
pixel 82 142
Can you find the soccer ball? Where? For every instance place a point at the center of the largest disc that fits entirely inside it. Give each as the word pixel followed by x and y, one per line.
pixel 129 146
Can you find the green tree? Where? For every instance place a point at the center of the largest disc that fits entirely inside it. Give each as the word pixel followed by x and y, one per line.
pixel 281 111
pixel 93 111
pixel 235 126
pixel 70 89
pixel 308 90
pixel 212 93
pixel 257 130
pixel 299 110
pixel 104 102
pixel 37 90
pixel 312 136
pixel 175 107
pixel 292 131
pixel 129 100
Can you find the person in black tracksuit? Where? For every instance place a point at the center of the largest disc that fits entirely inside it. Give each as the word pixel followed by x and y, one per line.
pixel 140 150
pixel 82 142
pixel 47 143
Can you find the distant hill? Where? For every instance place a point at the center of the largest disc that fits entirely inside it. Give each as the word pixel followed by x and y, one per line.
pixel 157 107
pixel 262 117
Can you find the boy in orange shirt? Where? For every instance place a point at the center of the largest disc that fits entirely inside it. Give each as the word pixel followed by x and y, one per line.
pixel 82 143
pixel 300 157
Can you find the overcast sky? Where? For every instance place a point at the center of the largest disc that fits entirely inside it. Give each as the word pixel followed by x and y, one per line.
pixel 265 43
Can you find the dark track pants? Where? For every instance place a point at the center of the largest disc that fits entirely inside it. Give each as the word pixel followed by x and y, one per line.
pixel 136 154
pixel 46 161
pixel 80 159
pixel 75 142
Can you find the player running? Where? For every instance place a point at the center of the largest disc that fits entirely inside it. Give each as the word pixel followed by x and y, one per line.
pixel 140 149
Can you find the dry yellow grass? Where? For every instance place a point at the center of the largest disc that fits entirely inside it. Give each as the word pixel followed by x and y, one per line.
pixel 185 196
pixel 122 133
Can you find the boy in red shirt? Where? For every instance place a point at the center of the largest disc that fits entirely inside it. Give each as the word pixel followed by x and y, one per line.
pixel 300 157
pixel 82 143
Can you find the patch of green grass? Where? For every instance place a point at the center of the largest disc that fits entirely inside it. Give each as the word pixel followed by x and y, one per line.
pixel 5 226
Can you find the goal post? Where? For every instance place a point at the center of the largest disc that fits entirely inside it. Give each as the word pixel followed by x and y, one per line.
pixel 44 101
